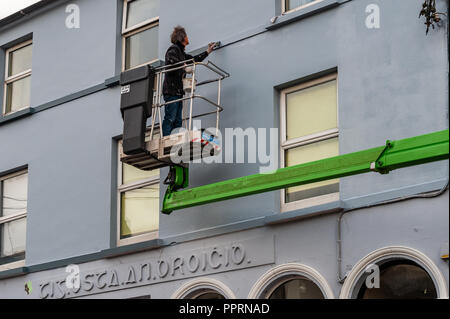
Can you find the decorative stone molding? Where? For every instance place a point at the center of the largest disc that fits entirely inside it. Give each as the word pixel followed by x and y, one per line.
pixel 203 284
pixel 276 274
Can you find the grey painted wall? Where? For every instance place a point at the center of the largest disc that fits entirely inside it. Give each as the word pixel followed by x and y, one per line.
pixel 311 242
pixel 68 60
pixel 69 175
pixel 370 63
pixel 392 84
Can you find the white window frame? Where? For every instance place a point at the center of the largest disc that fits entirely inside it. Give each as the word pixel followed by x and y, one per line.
pixel 10 218
pixel 153 180
pixel 14 78
pixel 128 32
pixel 283 6
pixel 305 140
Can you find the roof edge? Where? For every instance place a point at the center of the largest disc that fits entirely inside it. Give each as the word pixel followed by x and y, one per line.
pixel 25 12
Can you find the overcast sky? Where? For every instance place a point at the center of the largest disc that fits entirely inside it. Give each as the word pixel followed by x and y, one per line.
pixel 8 7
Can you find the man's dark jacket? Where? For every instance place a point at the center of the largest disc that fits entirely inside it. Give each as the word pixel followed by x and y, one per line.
pixel 173 81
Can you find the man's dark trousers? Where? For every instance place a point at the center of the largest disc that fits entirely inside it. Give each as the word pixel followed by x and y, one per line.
pixel 173 114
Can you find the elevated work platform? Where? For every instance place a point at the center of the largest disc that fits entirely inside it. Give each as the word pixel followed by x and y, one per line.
pixel 148 149
pixel 179 148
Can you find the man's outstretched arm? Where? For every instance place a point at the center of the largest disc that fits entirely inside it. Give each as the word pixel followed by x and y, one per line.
pixel 200 57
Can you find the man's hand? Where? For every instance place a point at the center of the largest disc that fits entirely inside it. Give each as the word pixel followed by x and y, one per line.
pixel 211 46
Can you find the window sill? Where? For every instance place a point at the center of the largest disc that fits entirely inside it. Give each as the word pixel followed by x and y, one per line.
pixel 146 237
pixel 15 115
pixel 13 269
pixel 132 248
pixel 315 201
pixel 301 13
pixel 317 210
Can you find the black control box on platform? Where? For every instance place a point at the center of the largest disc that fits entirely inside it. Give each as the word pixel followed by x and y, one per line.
pixel 136 101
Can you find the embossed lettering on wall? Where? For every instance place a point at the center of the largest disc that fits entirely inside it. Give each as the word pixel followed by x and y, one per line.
pixel 248 253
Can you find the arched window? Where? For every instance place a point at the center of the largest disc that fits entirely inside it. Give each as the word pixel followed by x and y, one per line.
pixel 400 279
pixel 291 281
pixel 395 272
pixel 204 288
pixel 296 287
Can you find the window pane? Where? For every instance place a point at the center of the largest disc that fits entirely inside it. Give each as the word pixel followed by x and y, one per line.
pixel 311 110
pixel 292 4
pixel 297 289
pixel 18 95
pixel 141 47
pixel 19 60
pixel 210 295
pixel 139 211
pixel 309 153
pixel 401 281
pixel 141 10
pixel 132 174
pixel 13 237
pixel 14 198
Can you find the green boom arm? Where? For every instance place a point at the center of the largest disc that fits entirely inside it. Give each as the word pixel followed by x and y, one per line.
pixel 395 154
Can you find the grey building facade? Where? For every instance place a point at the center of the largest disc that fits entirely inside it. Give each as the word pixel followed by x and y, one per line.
pixel 67 202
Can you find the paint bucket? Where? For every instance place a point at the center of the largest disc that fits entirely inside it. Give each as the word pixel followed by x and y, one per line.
pixel 187 85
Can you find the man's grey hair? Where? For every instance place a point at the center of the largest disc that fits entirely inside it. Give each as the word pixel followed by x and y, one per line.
pixel 178 34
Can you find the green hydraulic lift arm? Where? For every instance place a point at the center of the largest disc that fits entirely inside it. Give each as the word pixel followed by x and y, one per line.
pixel 395 154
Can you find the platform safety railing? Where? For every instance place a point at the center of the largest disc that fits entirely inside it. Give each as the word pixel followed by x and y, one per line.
pixel 190 95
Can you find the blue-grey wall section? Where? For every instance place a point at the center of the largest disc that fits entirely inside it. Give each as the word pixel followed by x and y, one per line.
pixel 392 84
pixel 384 92
pixel 69 60
pixel 310 242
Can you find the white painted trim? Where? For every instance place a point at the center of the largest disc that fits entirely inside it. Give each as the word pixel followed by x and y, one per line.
pixel 15 174
pixel 154 23
pixel 301 86
pixel 276 274
pixel 119 182
pixel 203 283
pixel 308 202
pixel 127 32
pixel 283 6
pixel 142 183
pixel 13 78
pixel 18 76
pixel 311 83
pixel 305 140
pixel 137 26
pixel 399 252
pixel 14 265
pixel 131 186
pixel 20 45
pixel 127 35
pixel 142 25
pixel 12 217
pixel 137 238
pixel 124 14
pixel 308 139
pixel 9 81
